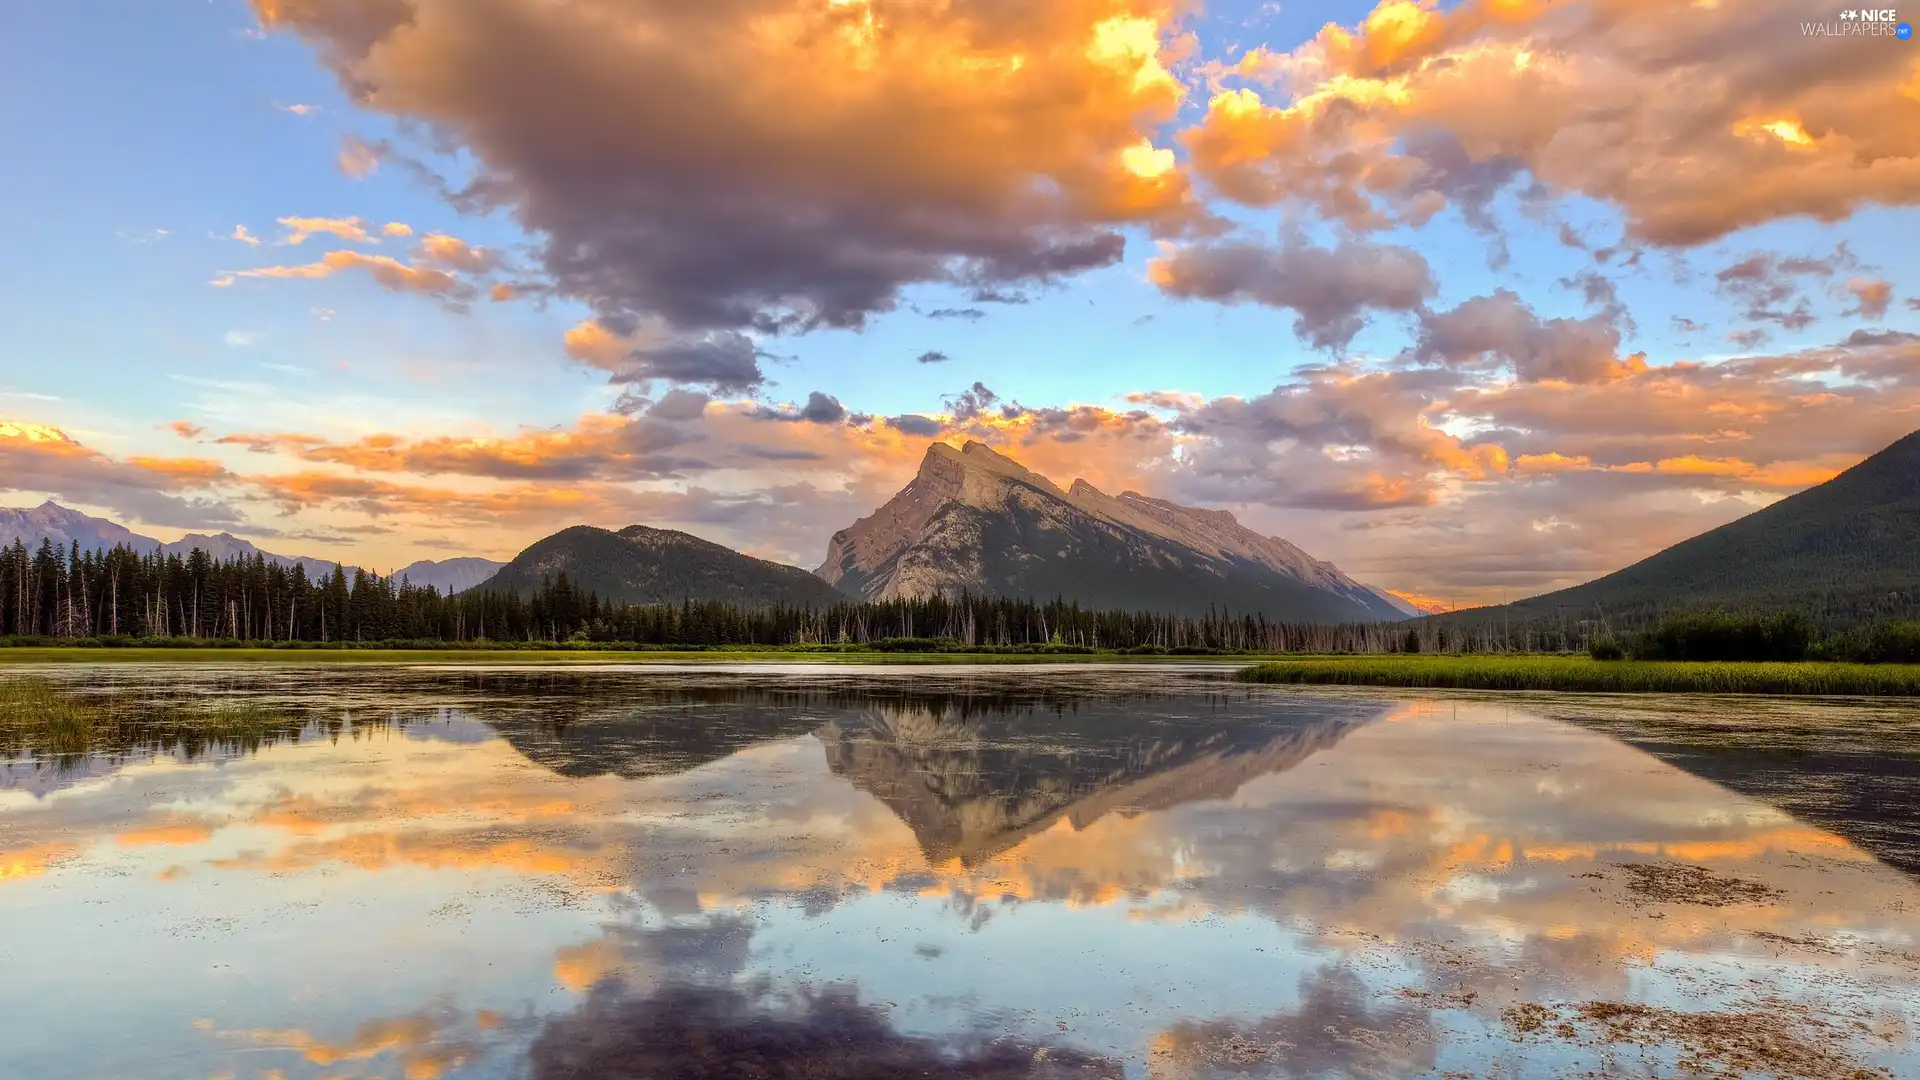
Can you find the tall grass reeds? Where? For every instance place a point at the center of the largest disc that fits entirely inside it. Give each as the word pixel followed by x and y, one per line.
pixel 1579 673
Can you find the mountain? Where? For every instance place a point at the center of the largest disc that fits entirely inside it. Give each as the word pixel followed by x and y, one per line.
pixel 973 783
pixel 449 575
pixel 1847 551
pixel 51 521
pixel 975 520
pixel 639 565
pixel 63 526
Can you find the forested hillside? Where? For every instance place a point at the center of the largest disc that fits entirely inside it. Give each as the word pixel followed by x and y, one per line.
pixel 639 565
pixel 1846 552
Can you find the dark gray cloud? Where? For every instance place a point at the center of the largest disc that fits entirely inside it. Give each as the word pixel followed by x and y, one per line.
pixel 1599 292
pixel 679 405
pixel 696 1032
pixel 933 356
pixel 1683 325
pixel 1331 290
pixel 724 360
pixel 819 409
pixel 914 424
pixel 1773 289
pixel 1501 329
pixel 971 314
pixel 990 295
pixel 971 403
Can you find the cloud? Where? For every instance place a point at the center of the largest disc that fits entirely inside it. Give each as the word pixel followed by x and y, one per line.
pixel 969 314
pixel 1871 297
pixel 298 110
pixel 1502 329
pixel 186 430
pixel 241 339
pixel 452 251
pixel 1331 290
pixel 645 353
pixel 1690 141
pixel 826 1033
pixel 1770 287
pixel 352 230
pixel 357 158
pixel 396 228
pixel 390 273
pixel 38 458
pixel 819 409
pixel 932 356
pixel 241 234
pixel 915 425
pixel 1000 145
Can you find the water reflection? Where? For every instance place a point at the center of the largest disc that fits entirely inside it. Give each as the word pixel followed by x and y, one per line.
pixel 970 874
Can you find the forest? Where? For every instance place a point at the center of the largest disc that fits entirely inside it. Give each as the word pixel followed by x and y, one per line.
pixel 121 596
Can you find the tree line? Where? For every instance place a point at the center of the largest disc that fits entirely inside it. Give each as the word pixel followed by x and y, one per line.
pixel 71 594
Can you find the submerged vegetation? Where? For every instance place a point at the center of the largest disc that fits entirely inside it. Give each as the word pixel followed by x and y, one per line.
pixel 40 718
pixel 1579 673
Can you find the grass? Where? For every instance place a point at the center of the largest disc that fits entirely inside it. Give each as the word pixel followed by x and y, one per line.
pixel 39 718
pixel 1579 673
pixel 64 654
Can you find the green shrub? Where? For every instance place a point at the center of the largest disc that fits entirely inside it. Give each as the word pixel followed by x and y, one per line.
pixel 1717 636
pixel 1606 647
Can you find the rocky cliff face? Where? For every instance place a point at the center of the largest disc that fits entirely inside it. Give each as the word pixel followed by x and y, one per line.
pixel 975 520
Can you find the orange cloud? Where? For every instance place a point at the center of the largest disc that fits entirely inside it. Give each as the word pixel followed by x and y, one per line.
pixel 30 862
pixel 299 229
pixel 1689 143
pixel 180 835
pixel 388 271
pixel 1001 142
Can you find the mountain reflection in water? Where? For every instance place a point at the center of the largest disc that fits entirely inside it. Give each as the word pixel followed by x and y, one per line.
pixel 855 874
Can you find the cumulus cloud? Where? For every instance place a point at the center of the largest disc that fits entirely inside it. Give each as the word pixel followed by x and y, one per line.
pixel 1690 140
pixel 933 356
pixel 1331 290
pixel 996 144
pixel 1502 329
pixel 819 409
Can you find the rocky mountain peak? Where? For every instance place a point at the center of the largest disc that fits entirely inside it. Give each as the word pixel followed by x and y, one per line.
pixel 975 519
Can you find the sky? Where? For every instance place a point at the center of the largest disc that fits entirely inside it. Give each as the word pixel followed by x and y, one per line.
pixel 1474 299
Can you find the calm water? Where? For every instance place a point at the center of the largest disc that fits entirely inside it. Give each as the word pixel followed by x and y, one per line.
pixel 963 873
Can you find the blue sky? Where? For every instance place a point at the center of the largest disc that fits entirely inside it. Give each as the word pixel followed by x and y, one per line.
pixel 145 133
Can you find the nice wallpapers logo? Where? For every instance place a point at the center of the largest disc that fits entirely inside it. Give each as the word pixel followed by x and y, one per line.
pixel 1861 22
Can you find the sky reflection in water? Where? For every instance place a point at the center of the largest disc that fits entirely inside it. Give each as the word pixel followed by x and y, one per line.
pixel 976 874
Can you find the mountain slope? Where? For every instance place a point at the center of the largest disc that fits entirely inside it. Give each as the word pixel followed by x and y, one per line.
pixel 639 565
pixel 64 526
pixel 449 575
pixel 975 520
pixel 51 521
pixel 1847 550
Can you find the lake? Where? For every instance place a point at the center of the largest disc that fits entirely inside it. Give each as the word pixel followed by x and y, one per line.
pixel 957 872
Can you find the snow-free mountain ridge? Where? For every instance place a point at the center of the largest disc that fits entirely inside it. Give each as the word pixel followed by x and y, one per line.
pixel 976 520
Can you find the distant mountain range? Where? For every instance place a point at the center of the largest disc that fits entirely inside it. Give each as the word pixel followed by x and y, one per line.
pixel 1847 551
pixel 639 565
pixel 973 519
pixel 63 526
